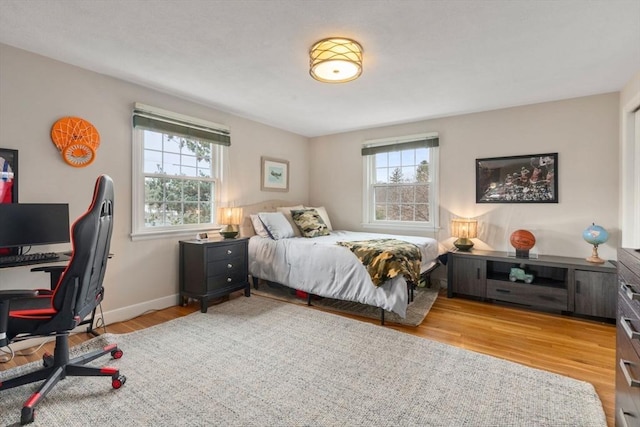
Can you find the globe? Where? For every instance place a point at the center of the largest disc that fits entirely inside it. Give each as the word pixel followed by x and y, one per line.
pixel 595 234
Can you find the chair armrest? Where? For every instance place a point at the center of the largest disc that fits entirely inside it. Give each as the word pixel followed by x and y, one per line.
pixel 50 268
pixel 17 293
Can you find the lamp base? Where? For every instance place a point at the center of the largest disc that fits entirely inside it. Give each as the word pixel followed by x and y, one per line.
pixel 229 232
pixel 463 244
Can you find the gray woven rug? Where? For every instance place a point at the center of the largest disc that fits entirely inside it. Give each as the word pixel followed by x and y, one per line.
pixel 416 311
pixel 260 362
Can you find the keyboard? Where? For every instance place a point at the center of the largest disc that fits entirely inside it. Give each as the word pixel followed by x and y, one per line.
pixel 29 258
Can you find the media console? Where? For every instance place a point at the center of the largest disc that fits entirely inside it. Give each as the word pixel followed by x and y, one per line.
pixel 560 284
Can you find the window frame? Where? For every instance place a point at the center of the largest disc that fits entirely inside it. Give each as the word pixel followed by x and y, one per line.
pixel 219 167
pixel 369 183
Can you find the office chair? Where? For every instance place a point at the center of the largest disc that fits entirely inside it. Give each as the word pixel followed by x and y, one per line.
pixel 36 313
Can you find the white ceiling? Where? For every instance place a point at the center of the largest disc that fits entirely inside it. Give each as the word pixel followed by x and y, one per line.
pixel 422 58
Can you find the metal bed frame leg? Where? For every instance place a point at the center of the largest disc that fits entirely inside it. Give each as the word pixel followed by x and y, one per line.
pixel 308 299
pixel 382 316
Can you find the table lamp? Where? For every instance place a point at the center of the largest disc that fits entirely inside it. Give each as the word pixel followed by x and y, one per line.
pixel 464 230
pixel 230 218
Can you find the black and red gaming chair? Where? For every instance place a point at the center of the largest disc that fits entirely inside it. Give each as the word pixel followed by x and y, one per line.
pixel 36 313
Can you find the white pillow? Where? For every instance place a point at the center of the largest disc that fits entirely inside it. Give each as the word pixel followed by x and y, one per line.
pixel 323 214
pixel 258 226
pixel 286 210
pixel 276 225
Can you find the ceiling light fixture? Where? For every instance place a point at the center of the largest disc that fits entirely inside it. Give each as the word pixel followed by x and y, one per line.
pixel 335 60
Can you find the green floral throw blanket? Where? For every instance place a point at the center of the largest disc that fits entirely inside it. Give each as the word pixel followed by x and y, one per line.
pixel 386 258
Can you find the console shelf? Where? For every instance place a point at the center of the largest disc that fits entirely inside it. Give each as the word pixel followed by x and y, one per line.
pixel 567 285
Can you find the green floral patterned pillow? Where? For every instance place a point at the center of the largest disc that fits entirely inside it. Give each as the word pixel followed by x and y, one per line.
pixel 309 222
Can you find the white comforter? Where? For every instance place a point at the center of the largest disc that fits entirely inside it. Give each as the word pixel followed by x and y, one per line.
pixel 320 267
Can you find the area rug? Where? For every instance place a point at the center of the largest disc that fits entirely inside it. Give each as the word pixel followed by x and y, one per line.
pixel 416 311
pixel 261 362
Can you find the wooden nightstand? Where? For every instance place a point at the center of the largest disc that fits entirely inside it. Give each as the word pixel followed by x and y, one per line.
pixel 213 268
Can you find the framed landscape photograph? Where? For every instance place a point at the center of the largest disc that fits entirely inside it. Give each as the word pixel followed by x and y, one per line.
pixel 8 176
pixel 274 174
pixel 531 178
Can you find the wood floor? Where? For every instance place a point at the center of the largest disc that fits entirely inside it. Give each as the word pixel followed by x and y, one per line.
pixel 580 349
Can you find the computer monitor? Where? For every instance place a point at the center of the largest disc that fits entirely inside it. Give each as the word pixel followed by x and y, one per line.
pixel 30 224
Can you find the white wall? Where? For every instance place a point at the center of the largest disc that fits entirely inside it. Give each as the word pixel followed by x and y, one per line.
pixel 36 91
pixel 583 131
pixel 630 164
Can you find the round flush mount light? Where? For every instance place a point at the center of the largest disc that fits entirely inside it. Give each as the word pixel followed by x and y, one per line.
pixel 335 60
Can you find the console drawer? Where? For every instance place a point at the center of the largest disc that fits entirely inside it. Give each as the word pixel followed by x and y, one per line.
pixel 528 294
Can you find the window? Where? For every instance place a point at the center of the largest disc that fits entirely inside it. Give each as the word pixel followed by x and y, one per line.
pixel 178 164
pixel 400 182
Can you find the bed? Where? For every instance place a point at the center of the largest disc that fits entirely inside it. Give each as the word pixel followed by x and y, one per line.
pixel 319 265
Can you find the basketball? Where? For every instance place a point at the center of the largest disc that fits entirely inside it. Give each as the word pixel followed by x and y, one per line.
pixel 522 240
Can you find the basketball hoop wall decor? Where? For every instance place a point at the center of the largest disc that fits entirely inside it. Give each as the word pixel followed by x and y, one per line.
pixel 77 140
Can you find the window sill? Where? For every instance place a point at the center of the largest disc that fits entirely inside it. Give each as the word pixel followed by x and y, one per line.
pixel 160 234
pixel 399 226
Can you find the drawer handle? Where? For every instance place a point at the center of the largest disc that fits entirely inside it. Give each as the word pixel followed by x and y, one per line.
pixel 628 290
pixel 623 417
pixel 228 279
pixel 229 251
pixel 503 291
pixel 229 265
pixel 631 381
pixel 626 325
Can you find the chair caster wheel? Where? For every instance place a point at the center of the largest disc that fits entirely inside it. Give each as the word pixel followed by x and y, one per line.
pixel 27 416
pixel 118 381
pixel 117 353
pixel 47 360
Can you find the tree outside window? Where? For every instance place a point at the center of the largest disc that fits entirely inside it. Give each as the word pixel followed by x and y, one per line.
pixel 400 182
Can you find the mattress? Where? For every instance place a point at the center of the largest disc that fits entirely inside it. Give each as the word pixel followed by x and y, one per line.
pixel 321 267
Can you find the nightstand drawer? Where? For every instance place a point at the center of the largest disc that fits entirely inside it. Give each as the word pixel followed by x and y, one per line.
pixel 225 280
pixel 225 266
pixel 227 251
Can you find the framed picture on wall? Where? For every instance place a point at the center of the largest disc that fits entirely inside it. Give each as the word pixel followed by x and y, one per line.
pixel 532 178
pixel 274 174
pixel 8 176
pixel 8 185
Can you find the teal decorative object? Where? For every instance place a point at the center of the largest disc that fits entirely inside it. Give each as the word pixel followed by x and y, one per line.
pixel 596 235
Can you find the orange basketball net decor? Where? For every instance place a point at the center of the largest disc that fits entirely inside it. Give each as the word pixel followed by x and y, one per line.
pixel 76 139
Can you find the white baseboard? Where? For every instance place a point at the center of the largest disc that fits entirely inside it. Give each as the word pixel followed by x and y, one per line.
pixel 111 316
pixel 131 311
